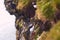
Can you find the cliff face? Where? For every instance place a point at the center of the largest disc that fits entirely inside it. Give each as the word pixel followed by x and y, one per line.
pixel 35 19
pixel 53 34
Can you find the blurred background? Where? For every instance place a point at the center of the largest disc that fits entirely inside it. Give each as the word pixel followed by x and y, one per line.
pixel 7 24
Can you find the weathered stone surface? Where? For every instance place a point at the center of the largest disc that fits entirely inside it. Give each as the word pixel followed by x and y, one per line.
pixel 30 21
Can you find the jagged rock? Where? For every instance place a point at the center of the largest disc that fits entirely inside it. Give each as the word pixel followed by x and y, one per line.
pixel 33 17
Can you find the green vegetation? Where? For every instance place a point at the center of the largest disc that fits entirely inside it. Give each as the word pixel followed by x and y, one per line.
pixel 22 3
pixel 46 8
pixel 54 33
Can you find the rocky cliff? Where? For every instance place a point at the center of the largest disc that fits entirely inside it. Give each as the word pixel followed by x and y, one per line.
pixel 35 19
